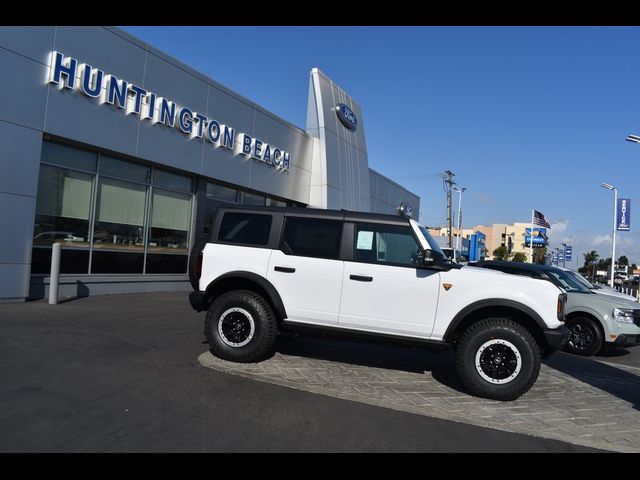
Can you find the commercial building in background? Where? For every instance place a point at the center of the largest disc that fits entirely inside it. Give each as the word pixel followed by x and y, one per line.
pixel 122 154
pixel 514 237
pixel 483 240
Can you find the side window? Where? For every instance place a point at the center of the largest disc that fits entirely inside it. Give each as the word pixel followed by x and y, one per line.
pixel 245 228
pixel 310 237
pixel 386 244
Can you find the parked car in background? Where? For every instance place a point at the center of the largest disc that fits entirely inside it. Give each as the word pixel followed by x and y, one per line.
pixel 601 289
pixel 595 321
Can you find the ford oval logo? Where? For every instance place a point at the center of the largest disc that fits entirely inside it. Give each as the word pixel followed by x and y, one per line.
pixel 346 116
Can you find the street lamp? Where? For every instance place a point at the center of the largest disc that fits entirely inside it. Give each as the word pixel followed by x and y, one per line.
pixel 633 138
pixel 459 190
pixel 615 213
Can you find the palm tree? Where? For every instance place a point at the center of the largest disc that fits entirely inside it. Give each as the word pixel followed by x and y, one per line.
pixel 590 259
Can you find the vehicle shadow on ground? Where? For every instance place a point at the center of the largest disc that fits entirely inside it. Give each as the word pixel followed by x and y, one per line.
pixel 612 380
pixel 441 364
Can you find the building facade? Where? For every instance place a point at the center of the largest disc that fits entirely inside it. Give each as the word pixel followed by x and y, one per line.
pixel 122 154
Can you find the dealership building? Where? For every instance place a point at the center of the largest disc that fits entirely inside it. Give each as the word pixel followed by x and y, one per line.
pixel 122 154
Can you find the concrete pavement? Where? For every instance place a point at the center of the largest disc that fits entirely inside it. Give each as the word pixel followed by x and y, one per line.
pixel 120 374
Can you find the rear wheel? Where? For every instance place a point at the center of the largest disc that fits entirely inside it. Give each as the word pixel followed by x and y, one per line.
pixel 498 358
pixel 240 326
pixel 585 337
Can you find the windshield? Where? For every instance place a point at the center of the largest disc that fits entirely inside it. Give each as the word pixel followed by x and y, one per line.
pixel 581 279
pixel 566 281
pixel 432 243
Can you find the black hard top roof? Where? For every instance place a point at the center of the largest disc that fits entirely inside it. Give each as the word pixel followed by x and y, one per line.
pixel 521 265
pixel 321 213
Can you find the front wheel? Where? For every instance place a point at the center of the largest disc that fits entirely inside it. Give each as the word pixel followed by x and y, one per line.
pixel 240 326
pixel 498 358
pixel 585 338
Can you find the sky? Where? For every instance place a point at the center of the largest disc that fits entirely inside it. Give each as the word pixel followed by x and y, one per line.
pixel 526 117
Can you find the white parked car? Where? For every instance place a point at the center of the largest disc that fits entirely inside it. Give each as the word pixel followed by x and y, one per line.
pixel 270 269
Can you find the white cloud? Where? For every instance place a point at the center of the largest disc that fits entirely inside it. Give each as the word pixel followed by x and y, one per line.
pixel 559 226
pixel 600 240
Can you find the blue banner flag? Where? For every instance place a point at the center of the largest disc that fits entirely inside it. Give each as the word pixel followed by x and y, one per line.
pixel 568 253
pixel 623 216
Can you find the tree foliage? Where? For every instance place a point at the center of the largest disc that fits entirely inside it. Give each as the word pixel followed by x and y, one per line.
pixel 519 257
pixel 500 253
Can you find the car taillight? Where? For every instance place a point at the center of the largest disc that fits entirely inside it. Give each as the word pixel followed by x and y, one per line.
pixel 198 268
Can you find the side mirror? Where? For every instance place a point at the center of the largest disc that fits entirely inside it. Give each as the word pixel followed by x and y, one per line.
pixel 431 258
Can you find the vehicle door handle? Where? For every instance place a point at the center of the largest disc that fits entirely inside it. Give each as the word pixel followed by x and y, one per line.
pixel 361 278
pixel 284 269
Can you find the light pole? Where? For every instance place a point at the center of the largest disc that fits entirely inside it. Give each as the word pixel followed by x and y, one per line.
pixel 564 256
pixel 615 213
pixel 459 190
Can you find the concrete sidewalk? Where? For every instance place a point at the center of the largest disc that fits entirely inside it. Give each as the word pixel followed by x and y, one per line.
pixel 121 374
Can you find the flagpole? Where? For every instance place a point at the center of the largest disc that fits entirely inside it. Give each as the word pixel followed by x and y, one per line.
pixel 531 237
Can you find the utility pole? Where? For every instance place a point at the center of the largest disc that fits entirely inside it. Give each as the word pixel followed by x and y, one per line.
pixel 448 180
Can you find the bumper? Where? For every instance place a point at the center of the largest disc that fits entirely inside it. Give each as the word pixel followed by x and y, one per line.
pixel 198 301
pixel 625 340
pixel 557 338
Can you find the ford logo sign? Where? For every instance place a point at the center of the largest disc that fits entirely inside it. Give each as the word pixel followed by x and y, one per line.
pixel 346 116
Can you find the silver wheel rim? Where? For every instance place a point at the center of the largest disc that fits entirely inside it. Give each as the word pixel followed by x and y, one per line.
pixel 236 327
pixel 498 361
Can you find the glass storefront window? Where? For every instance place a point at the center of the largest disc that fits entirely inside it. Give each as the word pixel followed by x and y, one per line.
pixel 220 192
pixel 102 208
pixel 252 199
pixel 170 221
pixel 125 170
pixel 172 181
pixel 273 202
pixel 69 157
pixel 63 207
pixel 120 215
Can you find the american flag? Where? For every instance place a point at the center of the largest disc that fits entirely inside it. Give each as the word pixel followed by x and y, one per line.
pixel 540 219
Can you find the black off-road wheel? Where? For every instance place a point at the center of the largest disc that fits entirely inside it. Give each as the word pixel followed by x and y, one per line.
pixel 497 358
pixel 240 326
pixel 585 337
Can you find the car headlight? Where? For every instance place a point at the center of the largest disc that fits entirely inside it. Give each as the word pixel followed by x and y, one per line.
pixel 623 315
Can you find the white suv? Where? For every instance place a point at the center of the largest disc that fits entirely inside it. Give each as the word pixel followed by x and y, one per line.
pixel 264 270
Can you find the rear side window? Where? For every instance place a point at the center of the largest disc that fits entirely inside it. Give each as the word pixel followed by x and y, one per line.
pixel 245 228
pixel 309 237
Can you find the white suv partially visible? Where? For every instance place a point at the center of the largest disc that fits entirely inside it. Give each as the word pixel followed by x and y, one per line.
pixel 264 270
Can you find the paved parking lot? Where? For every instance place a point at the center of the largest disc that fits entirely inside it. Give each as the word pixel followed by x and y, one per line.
pixel 121 373
pixel 577 400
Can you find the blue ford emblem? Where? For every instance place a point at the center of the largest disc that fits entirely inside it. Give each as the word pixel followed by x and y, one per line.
pixel 346 116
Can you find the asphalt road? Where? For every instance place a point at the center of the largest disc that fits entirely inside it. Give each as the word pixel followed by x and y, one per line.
pixel 629 357
pixel 120 374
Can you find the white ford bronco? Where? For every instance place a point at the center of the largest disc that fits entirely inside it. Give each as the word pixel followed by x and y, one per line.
pixel 269 269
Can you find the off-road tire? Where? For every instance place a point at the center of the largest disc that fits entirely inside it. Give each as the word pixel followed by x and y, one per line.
pixel 196 251
pixel 474 351
pixel 264 326
pixel 585 336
